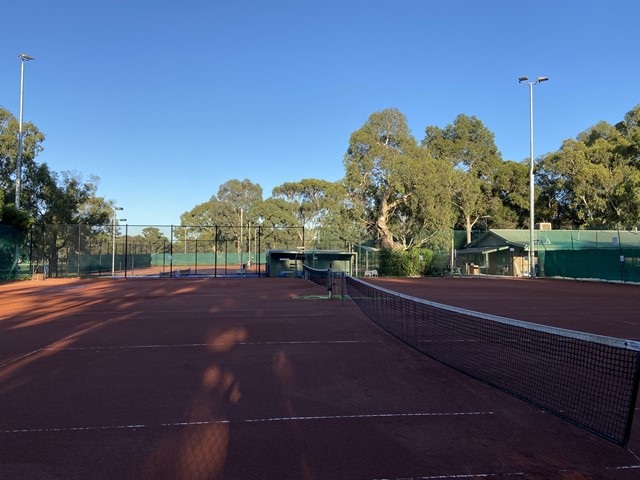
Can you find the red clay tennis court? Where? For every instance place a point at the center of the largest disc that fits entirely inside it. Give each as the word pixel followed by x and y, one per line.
pixel 255 378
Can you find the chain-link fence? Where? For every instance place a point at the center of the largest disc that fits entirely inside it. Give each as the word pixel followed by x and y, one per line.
pixel 154 250
pixel 204 250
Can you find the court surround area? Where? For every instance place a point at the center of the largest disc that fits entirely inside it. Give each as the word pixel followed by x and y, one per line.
pixel 251 378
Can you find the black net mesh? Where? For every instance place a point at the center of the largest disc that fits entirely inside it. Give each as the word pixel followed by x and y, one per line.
pixel 334 282
pixel 590 380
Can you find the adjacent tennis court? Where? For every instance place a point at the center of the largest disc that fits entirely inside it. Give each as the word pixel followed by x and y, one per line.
pixel 253 378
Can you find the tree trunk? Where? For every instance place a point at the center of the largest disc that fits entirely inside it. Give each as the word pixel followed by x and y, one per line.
pixel 386 237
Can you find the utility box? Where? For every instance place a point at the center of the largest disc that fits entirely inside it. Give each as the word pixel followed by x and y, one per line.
pixel 473 269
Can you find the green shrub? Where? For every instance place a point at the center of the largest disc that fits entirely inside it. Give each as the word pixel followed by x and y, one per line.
pixel 409 263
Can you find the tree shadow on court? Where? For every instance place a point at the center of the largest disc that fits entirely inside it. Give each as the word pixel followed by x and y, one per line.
pixel 199 449
pixel 195 447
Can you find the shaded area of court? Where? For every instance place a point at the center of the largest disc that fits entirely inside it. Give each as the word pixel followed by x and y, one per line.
pixel 252 378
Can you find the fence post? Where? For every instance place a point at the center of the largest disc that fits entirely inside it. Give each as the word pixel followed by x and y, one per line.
pixel 31 251
pixel 196 258
pixel 171 254
pixel 79 225
pixel 215 249
pixel 126 247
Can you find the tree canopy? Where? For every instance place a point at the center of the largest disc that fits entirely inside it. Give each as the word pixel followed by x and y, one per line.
pixel 469 147
pixel 594 179
pixel 46 196
pixel 398 187
pixel 311 202
pixel 396 192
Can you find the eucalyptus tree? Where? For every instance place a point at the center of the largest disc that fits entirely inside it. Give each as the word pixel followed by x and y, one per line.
pixel 154 239
pixel 511 188
pixel 313 202
pixel 242 197
pixel 396 185
pixel 630 129
pixel 593 180
pixel 234 204
pixel 279 227
pixel 34 175
pixel 233 208
pixel 469 147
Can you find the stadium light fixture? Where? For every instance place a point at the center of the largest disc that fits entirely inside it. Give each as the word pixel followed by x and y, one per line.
pixel 23 58
pixel 532 245
pixel 113 240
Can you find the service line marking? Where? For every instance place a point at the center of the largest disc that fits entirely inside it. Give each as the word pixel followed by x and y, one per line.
pixel 50 346
pixel 251 420
pixel 198 345
pixel 460 475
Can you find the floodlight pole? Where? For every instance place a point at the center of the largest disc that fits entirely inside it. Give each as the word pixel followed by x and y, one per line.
pixel 23 58
pixel 241 235
pixel 532 245
pixel 113 242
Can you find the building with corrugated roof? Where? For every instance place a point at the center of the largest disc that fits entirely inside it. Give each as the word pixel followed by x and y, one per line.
pixel 609 255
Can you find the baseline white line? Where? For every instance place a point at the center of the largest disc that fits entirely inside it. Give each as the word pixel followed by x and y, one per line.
pixel 198 345
pixel 254 420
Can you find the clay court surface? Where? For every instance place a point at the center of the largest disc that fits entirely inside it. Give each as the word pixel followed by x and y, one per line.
pixel 221 270
pixel 257 378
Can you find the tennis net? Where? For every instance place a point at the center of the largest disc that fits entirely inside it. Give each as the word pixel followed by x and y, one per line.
pixel 333 281
pixel 589 380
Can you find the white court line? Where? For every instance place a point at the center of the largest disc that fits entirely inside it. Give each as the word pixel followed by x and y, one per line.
pixel 492 475
pixel 373 415
pixel 48 347
pixel 461 475
pixel 145 315
pixel 198 345
pixel 254 420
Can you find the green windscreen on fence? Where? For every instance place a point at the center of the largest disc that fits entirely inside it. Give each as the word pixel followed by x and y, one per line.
pixel 141 250
pixel 608 255
pixel 150 250
pixel 13 253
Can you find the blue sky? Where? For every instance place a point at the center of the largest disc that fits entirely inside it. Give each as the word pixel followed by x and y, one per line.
pixel 165 101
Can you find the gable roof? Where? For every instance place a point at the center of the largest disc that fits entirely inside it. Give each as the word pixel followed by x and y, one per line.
pixel 496 237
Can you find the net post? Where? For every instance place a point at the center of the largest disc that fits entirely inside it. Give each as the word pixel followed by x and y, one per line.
pixel 632 402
